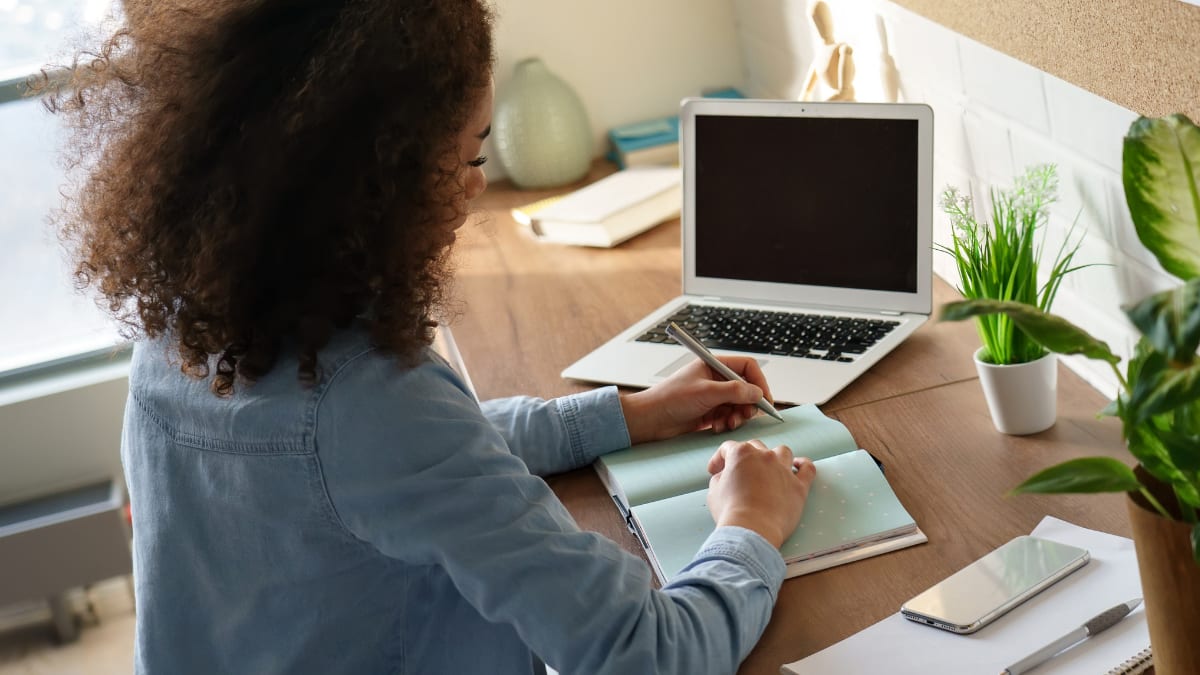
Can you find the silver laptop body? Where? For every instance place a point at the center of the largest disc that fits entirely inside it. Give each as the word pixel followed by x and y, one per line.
pixel 795 207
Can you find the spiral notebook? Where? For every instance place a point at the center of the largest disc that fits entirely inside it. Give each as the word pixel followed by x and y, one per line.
pixel 1136 664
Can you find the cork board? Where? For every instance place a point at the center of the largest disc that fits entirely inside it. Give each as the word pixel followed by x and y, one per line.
pixel 1143 55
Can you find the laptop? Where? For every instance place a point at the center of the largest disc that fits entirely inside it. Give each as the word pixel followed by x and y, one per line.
pixel 806 242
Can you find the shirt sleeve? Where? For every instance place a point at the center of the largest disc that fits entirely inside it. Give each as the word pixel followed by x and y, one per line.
pixel 560 434
pixel 416 438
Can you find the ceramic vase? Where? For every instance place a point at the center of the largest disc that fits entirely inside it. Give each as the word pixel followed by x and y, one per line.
pixel 1022 397
pixel 1170 582
pixel 540 129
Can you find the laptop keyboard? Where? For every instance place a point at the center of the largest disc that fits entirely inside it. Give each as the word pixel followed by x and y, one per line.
pixel 813 336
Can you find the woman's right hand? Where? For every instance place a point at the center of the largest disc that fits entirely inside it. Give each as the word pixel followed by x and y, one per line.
pixel 755 488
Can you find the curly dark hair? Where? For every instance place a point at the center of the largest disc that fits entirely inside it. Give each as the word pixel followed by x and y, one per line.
pixel 258 174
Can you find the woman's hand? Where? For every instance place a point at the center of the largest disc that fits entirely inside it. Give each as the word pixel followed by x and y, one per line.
pixel 759 489
pixel 694 397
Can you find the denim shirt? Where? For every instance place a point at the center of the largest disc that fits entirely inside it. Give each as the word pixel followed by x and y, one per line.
pixel 383 521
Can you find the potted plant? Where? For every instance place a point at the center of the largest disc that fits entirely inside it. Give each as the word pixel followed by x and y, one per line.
pixel 1000 261
pixel 1159 399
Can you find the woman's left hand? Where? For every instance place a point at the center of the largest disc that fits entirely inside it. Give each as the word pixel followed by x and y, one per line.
pixel 694 397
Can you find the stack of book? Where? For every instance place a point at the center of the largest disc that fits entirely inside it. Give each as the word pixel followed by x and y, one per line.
pixel 608 211
pixel 652 142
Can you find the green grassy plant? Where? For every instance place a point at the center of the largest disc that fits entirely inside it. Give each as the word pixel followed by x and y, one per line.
pixel 1000 260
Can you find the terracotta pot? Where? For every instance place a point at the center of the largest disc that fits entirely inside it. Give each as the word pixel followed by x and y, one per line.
pixel 1170 583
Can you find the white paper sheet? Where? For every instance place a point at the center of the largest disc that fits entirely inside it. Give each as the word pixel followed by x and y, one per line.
pixel 898 646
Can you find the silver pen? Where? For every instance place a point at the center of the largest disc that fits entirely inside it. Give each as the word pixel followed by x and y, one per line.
pixel 685 338
pixel 1097 624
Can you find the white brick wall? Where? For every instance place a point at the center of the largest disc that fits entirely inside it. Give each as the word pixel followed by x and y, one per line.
pixel 994 116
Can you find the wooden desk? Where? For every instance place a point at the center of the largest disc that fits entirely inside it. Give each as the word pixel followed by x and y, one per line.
pixel 530 309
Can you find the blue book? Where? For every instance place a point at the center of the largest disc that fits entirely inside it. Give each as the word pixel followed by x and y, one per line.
pixel 851 513
pixel 649 143
pixel 652 142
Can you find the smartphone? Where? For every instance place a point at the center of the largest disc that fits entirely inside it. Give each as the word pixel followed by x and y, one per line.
pixel 983 591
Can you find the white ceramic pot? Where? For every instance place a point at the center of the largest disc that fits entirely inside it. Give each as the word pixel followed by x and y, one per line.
pixel 1022 397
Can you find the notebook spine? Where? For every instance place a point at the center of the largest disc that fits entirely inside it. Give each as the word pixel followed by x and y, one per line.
pixel 1135 665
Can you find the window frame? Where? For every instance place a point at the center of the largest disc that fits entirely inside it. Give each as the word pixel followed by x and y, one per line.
pixel 14 87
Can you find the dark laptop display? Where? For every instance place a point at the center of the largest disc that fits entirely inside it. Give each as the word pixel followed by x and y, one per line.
pixel 800 200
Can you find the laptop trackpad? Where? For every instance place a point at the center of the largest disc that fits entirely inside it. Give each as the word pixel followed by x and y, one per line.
pixel 683 361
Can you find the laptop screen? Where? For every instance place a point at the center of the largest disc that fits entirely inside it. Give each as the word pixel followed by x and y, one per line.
pixel 817 201
pixel 803 204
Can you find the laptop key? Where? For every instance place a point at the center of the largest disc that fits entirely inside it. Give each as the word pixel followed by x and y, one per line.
pixel 778 333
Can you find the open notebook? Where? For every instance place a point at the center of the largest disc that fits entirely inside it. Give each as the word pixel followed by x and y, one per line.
pixel 851 512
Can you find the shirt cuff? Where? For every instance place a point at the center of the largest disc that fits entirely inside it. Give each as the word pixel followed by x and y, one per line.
pixel 738 544
pixel 595 423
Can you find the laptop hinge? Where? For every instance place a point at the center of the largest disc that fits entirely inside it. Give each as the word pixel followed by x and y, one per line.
pixel 890 312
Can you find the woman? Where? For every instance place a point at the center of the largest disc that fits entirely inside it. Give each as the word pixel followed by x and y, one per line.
pixel 273 188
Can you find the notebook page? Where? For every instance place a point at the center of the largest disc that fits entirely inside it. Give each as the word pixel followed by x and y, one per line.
pixel 653 471
pixel 849 504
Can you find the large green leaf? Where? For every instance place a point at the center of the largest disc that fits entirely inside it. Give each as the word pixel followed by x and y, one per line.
pixel 1148 370
pixel 1187 492
pixel 1161 160
pixel 1052 332
pixel 1163 453
pixel 1170 320
pixel 1173 389
pixel 1144 443
pixel 1182 449
pixel 1087 474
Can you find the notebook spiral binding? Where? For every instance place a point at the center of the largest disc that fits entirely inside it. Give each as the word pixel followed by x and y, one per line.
pixel 1136 664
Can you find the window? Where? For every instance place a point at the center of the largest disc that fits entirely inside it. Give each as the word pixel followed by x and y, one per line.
pixel 42 318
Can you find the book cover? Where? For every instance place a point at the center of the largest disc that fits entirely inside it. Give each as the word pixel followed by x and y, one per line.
pixel 851 512
pixel 653 142
pixel 612 209
pixel 524 214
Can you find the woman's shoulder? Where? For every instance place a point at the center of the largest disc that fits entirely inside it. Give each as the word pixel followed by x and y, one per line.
pixel 352 373
pixel 373 410
pixel 351 366
pixel 371 394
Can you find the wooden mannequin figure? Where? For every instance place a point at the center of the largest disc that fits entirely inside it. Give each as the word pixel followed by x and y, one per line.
pixel 888 74
pixel 833 64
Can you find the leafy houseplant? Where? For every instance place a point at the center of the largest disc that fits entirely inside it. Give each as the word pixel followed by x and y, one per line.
pixel 1159 399
pixel 1000 261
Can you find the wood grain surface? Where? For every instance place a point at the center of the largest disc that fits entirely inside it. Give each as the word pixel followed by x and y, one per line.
pixel 527 309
